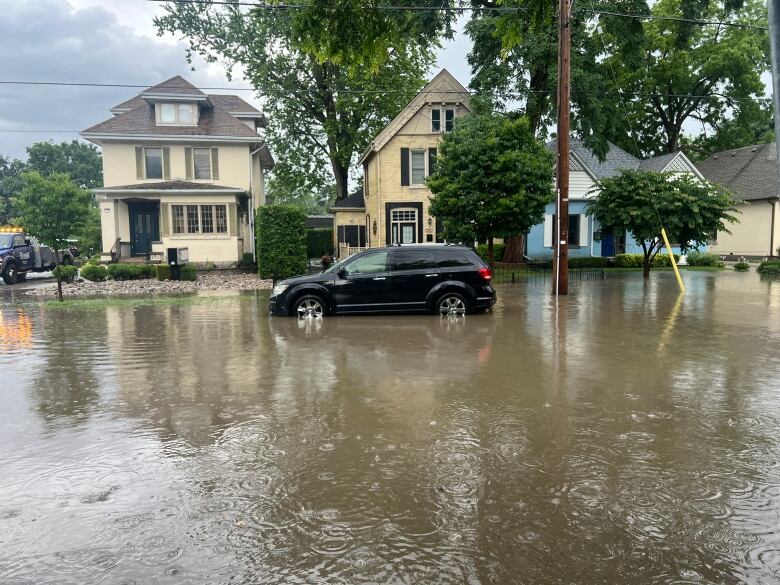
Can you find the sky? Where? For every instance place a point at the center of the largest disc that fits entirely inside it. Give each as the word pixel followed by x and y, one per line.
pixel 105 41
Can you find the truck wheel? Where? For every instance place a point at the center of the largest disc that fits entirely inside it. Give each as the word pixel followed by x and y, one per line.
pixel 67 261
pixel 21 276
pixel 11 275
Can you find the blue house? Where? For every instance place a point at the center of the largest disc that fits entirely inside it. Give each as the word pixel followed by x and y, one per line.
pixel 585 171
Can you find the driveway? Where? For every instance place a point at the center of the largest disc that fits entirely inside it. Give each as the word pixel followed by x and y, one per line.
pixel 16 292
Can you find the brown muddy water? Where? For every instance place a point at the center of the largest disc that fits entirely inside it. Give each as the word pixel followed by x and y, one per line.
pixel 629 436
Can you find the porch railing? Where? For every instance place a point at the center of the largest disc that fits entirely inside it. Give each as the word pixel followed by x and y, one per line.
pixel 345 250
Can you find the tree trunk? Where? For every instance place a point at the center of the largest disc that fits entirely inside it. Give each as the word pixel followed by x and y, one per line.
pixel 341 175
pixel 490 251
pixel 59 278
pixel 514 248
pixel 646 267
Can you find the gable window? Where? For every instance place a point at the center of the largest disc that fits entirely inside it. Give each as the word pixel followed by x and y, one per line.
pixel 201 158
pixel 153 163
pixel 185 115
pixel 449 119
pixel 436 120
pixel 181 114
pixel 418 167
pixel 199 219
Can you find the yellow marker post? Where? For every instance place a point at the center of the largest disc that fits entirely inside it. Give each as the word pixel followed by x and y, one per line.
pixel 671 257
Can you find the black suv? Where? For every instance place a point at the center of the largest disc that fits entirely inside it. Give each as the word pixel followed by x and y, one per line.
pixel 440 278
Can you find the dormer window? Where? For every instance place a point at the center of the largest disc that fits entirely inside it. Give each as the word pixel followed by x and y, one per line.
pixel 177 114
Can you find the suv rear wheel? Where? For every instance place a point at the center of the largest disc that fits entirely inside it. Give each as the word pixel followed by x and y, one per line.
pixel 451 303
pixel 309 306
pixel 11 274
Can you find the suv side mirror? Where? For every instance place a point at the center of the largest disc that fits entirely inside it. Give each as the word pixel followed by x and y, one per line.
pixel 342 272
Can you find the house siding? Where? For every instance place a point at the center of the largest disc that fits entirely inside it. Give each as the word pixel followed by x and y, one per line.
pixel 752 235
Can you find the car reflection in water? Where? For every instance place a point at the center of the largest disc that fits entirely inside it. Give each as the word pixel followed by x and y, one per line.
pixel 15 331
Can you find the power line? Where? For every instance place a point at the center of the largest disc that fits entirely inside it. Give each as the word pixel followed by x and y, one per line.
pixel 674 19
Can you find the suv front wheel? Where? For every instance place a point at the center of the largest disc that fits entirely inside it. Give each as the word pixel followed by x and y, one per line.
pixel 309 306
pixel 451 303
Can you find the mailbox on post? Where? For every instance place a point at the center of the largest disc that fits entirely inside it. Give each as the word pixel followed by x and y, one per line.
pixel 177 257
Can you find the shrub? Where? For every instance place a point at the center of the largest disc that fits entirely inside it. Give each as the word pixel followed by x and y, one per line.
pixel 94 272
pixel 498 251
pixel 94 259
pixel 662 260
pixel 319 242
pixel 65 273
pixel 769 267
pixel 188 272
pixel 247 262
pixel 629 261
pixel 162 271
pixel 589 262
pixel 741 266
pixel 281 241
pixel 130 271
pixel 696 258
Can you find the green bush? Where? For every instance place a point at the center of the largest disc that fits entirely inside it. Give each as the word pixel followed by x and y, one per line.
pixel 498 251
pixel 696 258
pixel 741 266
pixel 629 260
pixel 188 272
pixel 94 272
pixel 589 262
pixel 281 241
pixel 662 260
pixel 769 267
pixel 94 259
pixel 65 273
pixel 162 271
pixel 130 271
pixel 319 242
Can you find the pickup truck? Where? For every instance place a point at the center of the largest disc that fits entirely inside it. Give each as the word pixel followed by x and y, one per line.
pixel 20 254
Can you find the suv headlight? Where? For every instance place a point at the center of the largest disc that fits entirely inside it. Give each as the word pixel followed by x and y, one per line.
pixel 279 289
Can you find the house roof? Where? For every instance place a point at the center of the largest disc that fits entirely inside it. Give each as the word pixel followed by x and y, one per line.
pixel 319 221
pixel 657 163
pixel 750 173
pixel 171 186
pixel 616 160
pixel 220 115
pixel 443 88
pixel 354 201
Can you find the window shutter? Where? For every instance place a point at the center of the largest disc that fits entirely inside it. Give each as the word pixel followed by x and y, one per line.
pixel 404 167
pixel 431 161
pixel 215 163
pixel 548 230
pixel 232 220
pixel 188 162
pixel 583 230
pixel 139 163
pixel 166 156
pixel 165 220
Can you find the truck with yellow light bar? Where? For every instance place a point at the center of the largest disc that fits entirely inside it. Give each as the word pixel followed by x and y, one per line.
pixel 21 254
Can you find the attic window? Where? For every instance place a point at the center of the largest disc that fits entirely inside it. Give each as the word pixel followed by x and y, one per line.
pixel 176 114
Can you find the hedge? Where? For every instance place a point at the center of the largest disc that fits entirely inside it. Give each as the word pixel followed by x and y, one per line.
pixel 94 272
pixel 281 241
pixel 769 267
pixel 130 271
pixel 696 258
pixel 589 262
pixel 163 272
pixel 65 273
pixel 319 242
pixel 638 260
pixel 742 266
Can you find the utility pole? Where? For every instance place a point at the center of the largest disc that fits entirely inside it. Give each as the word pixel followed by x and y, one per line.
pixel 561 229
pixel 774 44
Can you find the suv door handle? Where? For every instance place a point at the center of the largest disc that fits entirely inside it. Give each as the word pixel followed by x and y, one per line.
pixel 379 278
pixel 429 275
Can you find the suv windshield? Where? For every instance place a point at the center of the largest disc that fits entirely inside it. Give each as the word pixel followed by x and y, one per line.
pixel 5 240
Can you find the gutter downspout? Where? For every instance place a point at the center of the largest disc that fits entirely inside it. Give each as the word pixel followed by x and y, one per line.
pixel 772 228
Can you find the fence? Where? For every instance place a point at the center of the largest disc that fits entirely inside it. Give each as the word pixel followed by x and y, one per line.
pixel 516 273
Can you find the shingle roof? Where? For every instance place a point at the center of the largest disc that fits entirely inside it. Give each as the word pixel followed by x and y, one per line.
pixel 657 163
pixel 176 85
pixel 319 221
pixel 616 160
pixel 232 103
pixel 172 185
pixel 354 201
pixel 750 172
pixel 133 102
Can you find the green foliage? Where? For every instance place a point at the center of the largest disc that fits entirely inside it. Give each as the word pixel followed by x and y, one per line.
pixel 629 261
pixel 10 186
pixel 281 241
pixel 94 272
pixel 131 271
pixel 769 267
pixel 65 273
pixel 492 179
pixel 319 242
pixel 189 272
pixel 498 251
pixel 662 259
pixel 80 161
pixel 305 60
pixel 90 236
pixel 753 124
pixel 639 201
pixel 52 208
pixel 589 262
pixel 696 258
pixel 742 266
pixel 162 271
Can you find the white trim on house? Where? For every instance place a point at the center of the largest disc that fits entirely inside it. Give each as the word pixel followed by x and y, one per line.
pixel 171 138
pixel 680 157
pixel 114 191
pixel 178 97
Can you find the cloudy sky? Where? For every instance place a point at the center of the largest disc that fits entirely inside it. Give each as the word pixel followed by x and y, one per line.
pixel 101 41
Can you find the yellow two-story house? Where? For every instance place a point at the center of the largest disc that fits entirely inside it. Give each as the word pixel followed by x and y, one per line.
pixel 393 207
pixel 181 169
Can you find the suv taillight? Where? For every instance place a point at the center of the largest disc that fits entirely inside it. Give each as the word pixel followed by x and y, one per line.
pixel 486 273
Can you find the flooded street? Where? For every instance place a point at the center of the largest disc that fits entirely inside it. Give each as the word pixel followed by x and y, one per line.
pixel 629 436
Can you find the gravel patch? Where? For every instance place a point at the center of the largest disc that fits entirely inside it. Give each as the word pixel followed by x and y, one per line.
pixel 133 288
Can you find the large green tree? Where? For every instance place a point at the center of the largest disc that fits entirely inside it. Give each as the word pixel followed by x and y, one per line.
pixel 333 73
pixel 493 178
pixel 80 161
pixel 753 124
pixel 10 185
pixel 642 202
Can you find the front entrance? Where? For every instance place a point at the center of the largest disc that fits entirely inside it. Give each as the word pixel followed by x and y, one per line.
pixel 144 227
pixel 404 226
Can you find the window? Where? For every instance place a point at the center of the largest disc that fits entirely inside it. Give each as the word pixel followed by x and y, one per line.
pixel 448 259
pixel 19 241
pixel 352 235
pixel 449 119
pixel 436 120
pixel 167 113
pixel 202 162
pixel 418 167
pixel 199 219
pixel 574 229
pixel 403 226
pixel 368 264
pixel 153 162
pixel 412 260
pixel 183 114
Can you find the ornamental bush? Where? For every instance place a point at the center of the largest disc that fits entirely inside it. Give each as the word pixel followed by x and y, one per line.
pixel 741 266
pixel 696 258
pixel 130 271
pixel 662 260
pixel 65 273
pixel 629 261
pixel 162 271
pixel 769 267
pixel 94 272
pixel 589 262
pixel 281 241
pixel 188 272
pixel 319 242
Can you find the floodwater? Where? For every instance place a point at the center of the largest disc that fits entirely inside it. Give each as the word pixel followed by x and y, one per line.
pixel 628 436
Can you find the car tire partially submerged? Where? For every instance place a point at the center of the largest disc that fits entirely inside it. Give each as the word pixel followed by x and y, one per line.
pixel 451 304
pixel 309 307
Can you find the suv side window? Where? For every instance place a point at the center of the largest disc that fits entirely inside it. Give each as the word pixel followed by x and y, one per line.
pixel 452 259
pixel 368 264
pixel 19 241
pixel 404 260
